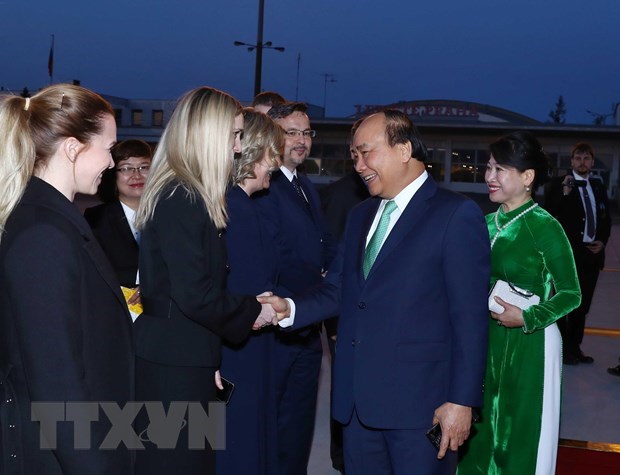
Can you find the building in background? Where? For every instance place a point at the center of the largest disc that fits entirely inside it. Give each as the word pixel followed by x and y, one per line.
pixel 457 134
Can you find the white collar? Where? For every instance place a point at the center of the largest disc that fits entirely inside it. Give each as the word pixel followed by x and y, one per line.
pixel 288 174
pixel 403 198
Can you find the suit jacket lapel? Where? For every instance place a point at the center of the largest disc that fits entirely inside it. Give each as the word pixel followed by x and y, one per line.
pixel 54 201
pixel 96 254
pixel 124 230
pixel 410 217
pixel 313 207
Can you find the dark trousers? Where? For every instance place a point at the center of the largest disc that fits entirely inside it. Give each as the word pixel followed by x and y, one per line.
pixel 155 382
pixel 369 451
pixel 297 365
pixel 572 325
pixel 335 427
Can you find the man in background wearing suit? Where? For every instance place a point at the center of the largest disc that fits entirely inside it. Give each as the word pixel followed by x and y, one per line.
pixel 410 284
pixel 579 202
pixel 291 208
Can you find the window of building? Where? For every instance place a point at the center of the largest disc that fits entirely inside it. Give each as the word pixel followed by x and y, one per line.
pixel 118 117
pixel 136 117
pixel 158 118
pixel 435 165
pixel 468 164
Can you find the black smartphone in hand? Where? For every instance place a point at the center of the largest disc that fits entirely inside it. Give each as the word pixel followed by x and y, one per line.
pixel 224 395
pixel 434 433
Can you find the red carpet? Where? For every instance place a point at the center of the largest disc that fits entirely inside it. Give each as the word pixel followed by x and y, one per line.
pixel 576 457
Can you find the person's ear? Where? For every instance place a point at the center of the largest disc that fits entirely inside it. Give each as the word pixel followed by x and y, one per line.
pixel 405 151
pixel 71 148
pixel 528 177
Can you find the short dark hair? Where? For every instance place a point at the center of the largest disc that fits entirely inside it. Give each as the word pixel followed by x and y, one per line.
pixel 582 147
pixel 521 150
pixel 399 130
pixel 107 191
pixel 268 98
pixel 285 109
pixel 131 148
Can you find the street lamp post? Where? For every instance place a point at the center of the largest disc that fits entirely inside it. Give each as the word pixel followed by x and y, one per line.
pixel 259 46
pixel 328 78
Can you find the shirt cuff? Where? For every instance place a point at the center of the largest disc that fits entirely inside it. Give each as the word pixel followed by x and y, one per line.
pixel 289 321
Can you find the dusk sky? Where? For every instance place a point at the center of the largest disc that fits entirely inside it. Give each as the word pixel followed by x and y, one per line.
pixel 519 54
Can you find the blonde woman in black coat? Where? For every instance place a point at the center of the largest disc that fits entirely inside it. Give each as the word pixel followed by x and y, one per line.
pixel 183 273
pixel 64 325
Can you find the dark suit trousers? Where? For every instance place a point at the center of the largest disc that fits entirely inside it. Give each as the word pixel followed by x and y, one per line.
pixel 335 427
pixel 572 326
pixel 369 451
pixel 297 363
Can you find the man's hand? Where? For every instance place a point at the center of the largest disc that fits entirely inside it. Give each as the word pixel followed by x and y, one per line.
pixel 280 306
pixel 567 185
pixel 596 246
pixel 455 421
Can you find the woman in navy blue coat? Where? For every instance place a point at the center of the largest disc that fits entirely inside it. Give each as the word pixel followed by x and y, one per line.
pixel 251 412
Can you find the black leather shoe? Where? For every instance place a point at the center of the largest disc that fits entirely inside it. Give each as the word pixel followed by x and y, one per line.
pixel 571 360
pixel 615 370
pixel 585 358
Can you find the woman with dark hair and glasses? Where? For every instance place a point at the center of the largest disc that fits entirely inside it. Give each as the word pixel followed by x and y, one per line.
pixel 113 221
pixel 519 428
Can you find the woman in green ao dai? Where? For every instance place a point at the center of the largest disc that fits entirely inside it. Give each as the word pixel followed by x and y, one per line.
pixel 519 428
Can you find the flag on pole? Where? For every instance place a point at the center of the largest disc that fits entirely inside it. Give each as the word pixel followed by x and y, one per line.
pixel 50 61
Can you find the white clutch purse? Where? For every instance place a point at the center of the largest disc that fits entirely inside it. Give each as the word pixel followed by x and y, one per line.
pixel 513 295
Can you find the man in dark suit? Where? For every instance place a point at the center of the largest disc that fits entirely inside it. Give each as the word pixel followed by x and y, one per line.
pixel 579 202
pixel 410 284
pixel 291 208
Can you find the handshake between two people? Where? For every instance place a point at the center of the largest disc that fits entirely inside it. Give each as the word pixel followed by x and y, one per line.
pixel 273 310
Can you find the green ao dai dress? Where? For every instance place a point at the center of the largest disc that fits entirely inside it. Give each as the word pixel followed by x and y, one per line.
pixel 519 428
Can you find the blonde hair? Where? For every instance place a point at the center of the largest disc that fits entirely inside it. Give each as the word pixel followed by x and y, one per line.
pixel 31 130
pixel 196 149
pixel 260 134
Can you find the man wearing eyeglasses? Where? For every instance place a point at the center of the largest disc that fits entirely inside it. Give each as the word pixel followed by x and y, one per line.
pixel 292 209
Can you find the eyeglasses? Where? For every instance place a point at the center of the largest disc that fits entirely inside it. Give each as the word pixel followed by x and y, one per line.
pixel 128 171
pixel 297 133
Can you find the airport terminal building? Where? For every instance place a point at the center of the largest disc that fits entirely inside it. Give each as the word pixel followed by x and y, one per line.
pixel 457 134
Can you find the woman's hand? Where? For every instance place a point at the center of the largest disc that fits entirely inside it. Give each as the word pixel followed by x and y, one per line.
pixel 218 380
pixel 512 317
pixel 135 297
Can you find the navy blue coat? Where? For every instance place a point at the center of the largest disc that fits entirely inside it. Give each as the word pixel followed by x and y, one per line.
pixel 305 247
pixel 251 418
pixel 413 335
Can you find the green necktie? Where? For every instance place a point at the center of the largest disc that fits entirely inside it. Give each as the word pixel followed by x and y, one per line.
pixel 374 245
